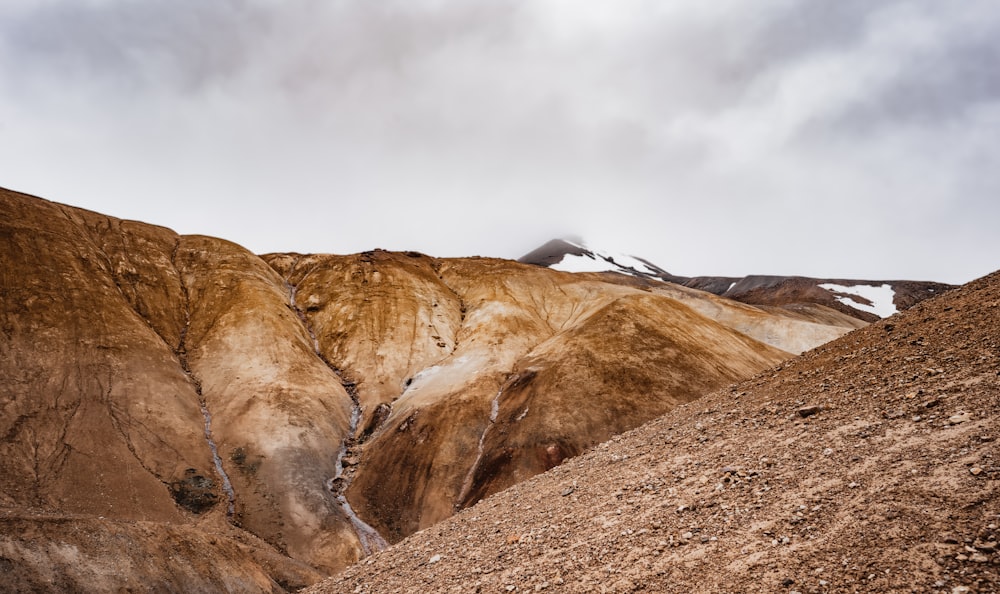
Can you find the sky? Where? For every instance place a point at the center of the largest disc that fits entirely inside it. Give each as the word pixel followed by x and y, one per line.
pixel 847 139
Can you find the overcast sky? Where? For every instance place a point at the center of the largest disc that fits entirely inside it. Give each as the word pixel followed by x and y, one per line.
pixel 842 138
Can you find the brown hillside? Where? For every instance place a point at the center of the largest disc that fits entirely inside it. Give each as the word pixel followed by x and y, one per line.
pixel 280 407
pixel 166 392
pixel 867 465
pixel 429 345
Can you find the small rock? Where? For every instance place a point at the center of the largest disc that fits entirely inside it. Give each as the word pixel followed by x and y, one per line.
pixel 808 411
pixel 568 491
pixel 975 471
pixel 787 582
pixel 434 559
pixel 687 535
pixel 979 558
pixel 986 547
pixel 853 485
pixel 729 470
pixel 959 418
pixel 961 590
pixel 932 403
pixel 827 451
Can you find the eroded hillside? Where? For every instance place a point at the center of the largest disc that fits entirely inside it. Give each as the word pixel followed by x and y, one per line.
pixel 867 465
pixel 296 412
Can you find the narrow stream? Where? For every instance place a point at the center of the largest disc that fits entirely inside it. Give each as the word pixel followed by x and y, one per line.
pixel 371 541
pixel 467 483
pixel 226 485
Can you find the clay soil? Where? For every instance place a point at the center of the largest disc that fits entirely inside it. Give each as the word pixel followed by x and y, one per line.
pixel 867 465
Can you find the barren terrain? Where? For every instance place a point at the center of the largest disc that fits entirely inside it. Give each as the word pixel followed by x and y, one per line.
pixel 867 465
pixel 271 420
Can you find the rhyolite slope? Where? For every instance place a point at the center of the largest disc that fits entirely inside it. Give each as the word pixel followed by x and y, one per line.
pixel 869 464
pixel 274 419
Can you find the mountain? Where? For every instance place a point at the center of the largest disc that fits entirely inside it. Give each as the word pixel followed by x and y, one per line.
pixel 869 464
pixel 863 299
pixel 177 410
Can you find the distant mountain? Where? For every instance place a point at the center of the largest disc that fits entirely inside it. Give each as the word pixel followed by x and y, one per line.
pixel 867 300
pixel 570 256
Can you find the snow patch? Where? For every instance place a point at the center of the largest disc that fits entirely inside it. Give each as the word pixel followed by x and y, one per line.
pixel 574 263
pixel 881 297
pixel 595 261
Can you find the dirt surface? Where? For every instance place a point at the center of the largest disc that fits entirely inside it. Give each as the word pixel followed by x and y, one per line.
pixel 46 552
pixel 866 465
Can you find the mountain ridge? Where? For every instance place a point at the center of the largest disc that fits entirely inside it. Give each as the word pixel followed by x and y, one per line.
pixel 764 290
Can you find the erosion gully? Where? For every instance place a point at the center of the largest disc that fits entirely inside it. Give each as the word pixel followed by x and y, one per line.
pixel 227 485
pixel 371 541
pixel 471 475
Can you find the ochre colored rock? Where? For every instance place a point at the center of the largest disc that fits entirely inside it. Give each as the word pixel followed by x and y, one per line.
pixel 293 405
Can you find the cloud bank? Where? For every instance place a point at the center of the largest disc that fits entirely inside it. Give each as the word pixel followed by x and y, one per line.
pixel 829 139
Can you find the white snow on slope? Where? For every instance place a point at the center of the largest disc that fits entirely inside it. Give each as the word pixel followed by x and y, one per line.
pixel 881 298
pixel 574 263
pixel 601 262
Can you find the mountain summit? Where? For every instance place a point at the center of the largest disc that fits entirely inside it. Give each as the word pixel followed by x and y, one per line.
pixel 574 256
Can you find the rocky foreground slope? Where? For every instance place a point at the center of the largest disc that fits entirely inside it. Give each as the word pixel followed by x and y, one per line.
pixel 870 464
pixel 176 411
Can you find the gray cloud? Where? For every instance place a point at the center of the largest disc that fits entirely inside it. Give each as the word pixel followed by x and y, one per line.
pixel 832 139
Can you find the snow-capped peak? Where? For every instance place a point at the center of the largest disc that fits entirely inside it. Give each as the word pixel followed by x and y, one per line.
pixel 591 260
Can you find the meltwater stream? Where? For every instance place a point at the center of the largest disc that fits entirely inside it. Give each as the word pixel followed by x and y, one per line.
pixel 226 485
pixel 371 541
pixel 494 413
pixel 181 351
